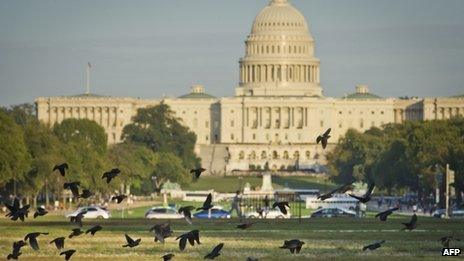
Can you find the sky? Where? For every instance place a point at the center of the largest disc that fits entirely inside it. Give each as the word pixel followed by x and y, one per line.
pixel 155 48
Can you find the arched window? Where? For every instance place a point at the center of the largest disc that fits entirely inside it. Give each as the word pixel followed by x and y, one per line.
pixel 263 154
pixel 241 155
pixel 253 155
pixel 296 155
pixel 286 155
pixel 308 155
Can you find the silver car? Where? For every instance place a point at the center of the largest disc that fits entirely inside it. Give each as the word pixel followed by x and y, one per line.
pixel 92 212
pixel 160 212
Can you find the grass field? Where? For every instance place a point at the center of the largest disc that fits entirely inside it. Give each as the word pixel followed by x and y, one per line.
pixel 326 239
pixel 231 184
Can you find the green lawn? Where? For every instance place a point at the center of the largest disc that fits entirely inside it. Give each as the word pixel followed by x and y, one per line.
pixel 326 239
pixel 231 184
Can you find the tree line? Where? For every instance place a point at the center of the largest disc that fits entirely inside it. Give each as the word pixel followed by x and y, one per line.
pixel 156 147
pixel 401 157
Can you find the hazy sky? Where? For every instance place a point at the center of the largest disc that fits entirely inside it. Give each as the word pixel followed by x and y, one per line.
pixel 147 48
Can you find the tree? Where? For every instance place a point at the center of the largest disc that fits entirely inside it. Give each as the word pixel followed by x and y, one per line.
pixel 14 157
pixel 158 129
pixel 169 167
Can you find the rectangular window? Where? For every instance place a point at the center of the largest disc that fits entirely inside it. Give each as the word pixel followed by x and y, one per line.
pixel 322 123
pixel 232 136
pixel 254 136
pixel 232 123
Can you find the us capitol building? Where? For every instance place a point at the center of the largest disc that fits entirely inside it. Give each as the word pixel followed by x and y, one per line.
pixel 278 109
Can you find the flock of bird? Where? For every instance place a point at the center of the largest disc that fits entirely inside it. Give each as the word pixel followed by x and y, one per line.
pixel 163 231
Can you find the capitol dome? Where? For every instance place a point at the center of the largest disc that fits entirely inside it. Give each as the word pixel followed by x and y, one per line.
pixel 280 16
pixel 279 55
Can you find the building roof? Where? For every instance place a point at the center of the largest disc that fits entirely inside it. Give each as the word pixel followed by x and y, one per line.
pixel 362 96
pixel 93 95
pixel 197 96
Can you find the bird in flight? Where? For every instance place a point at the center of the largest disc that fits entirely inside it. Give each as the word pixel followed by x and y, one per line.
pixel 374 245
pixel 384 215
pixel 73 186
pixel 323 138
pixel 40 211
pixel 76 232
pixel 68 253
pixel 207 204
pixel 293 245
pixel 168 257
pixel 59 242
pixel 161 231
pixel 411 224
pixel 282 206
pixel 78 218
pixel 367 196
pixel 32 237
pixel 192 237
pixel 131 242
pixel 197 172
pixel 187 212
pixel 119 198
pixel 16 249
pixel 94 230
pixel 61 168
pixel 341 189
pixel 86 193
pixel 17 212
pixel 109 175
pixel 215 252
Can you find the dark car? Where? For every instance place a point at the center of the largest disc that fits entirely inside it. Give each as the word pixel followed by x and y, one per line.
pixel 212 213
pixel 333 212
pixel 455 213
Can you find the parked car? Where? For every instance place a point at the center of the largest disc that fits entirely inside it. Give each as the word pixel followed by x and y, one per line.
pixel 455 213
pixel 92 212
pixel 333 212
pixel 273 213
pixel 215 212
pixel 160 212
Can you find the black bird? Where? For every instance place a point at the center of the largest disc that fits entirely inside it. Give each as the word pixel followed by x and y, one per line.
pixel 187 212
pixel 74 187
pixel 130 242
pixel 282 206
pixel 215 253
pixel 293 245
pixel 167 257
pixel 260 212
pixel 197 172
pixel 367 196
pixel 109 175
pixel 244 226
pixel 76 232
pixel 384 215
pixel 411 224
pixel 250 258
pixel 119 198
pixel 16 249
pixel 323 138
pixel 445 241
pixel 40 211
pixel 191 236
pixel 17 212
pixel 341 189
pixel 86 193
pixel 59 242
pixel 207 204
pixel 32 237
pixel 374 246
pixel 68 254
pixel 161 231
pixel 78 218
pixel 61 168
pixel 94 229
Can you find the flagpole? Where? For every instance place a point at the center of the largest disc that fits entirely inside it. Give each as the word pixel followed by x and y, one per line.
pixel 88 79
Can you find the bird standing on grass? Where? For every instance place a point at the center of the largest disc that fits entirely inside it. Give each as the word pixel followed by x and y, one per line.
pixel 411 224
pixel 374 246
pixel 293 245
pixel 168 257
